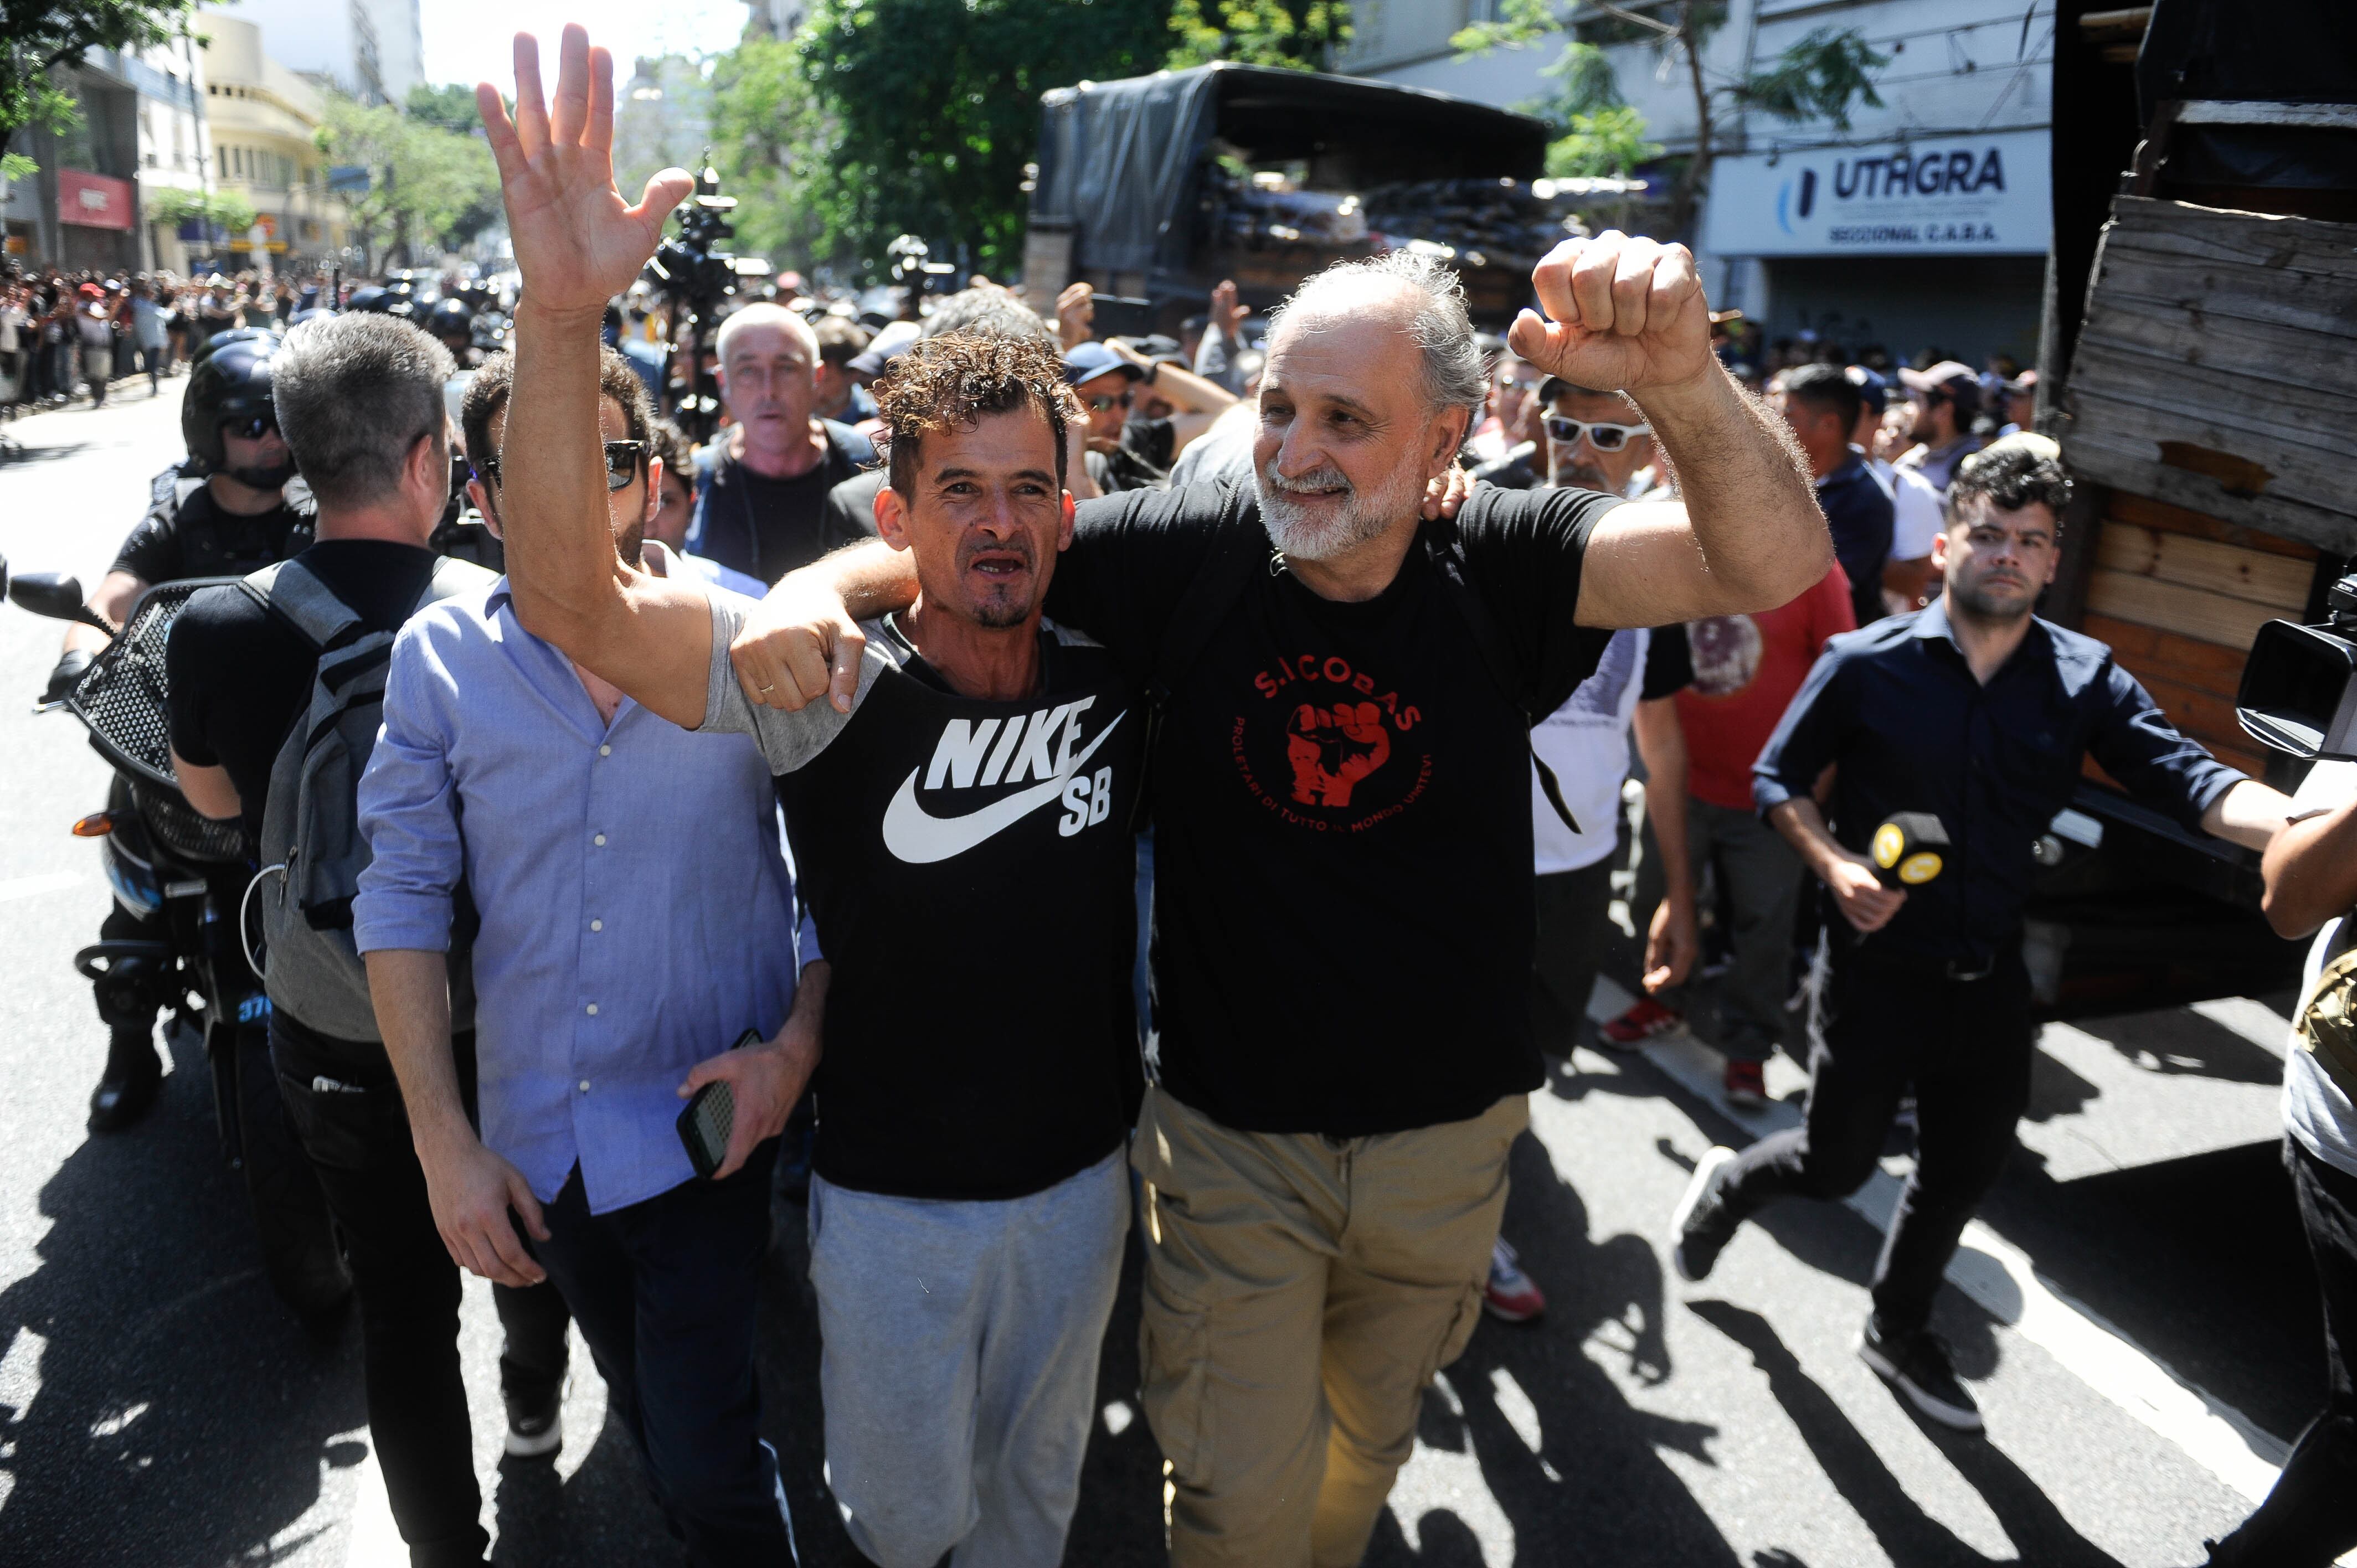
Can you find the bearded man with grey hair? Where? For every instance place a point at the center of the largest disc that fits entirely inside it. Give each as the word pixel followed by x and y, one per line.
pixel 1343 915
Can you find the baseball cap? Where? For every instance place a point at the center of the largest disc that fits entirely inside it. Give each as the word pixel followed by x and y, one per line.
pixel 1087 362
pixel 893 339
pixel 1953 377
pixel 1872 389
pixel 1554 387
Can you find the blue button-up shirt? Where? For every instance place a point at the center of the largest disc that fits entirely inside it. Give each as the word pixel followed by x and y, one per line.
pixel 637 911
pixel 1896 707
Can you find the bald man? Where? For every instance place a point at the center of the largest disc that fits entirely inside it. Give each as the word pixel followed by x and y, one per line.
pixel 764 512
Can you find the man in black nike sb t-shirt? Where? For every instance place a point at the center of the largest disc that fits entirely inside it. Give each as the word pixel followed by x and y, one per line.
pixel 1340 799
pixel 962 831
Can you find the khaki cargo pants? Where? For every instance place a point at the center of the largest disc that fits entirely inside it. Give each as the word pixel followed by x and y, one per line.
pixel 1300 1292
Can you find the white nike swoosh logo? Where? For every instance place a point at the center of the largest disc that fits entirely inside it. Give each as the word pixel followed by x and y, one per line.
pixel 919 838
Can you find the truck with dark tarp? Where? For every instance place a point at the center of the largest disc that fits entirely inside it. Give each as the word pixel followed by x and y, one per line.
pixel 1159 187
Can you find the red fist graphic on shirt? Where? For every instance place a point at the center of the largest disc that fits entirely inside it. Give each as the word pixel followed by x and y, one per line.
pixel 1333 748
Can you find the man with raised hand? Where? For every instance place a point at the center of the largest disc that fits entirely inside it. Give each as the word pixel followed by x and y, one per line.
pixel 1343 919
pixel 964 842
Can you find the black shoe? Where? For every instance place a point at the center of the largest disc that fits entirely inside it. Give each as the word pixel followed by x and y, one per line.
pixel 1700 1225
pixel 128 1086
pixel 1917 1366
pixel 536 1427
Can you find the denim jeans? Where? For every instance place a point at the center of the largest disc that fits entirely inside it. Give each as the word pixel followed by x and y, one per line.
pixel 665 1292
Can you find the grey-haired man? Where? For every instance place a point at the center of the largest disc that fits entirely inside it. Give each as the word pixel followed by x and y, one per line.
pixel 1343 914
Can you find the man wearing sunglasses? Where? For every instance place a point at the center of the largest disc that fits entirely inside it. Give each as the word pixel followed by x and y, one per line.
pixel 590 835
pixel 1107 385
pixel 222 513
pixel 1595 441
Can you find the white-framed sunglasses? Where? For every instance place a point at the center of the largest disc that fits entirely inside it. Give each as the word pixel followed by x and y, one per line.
pixel 1604 437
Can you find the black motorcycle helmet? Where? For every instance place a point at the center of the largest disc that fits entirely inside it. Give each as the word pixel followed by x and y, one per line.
pixel 231 381
pixel 452 323
pixel 380 302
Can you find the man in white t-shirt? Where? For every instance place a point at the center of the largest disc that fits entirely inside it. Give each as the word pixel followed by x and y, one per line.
pixel 1585 743
pixel 1914 503
pixel 2310 1517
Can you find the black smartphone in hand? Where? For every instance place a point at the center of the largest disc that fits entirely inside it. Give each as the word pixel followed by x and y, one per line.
pixel 711 1116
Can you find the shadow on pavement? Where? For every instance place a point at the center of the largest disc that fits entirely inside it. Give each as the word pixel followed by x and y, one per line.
pixel 1578 1471
pixel 2182 1042
pixel 179 1412
pixel 1906 1534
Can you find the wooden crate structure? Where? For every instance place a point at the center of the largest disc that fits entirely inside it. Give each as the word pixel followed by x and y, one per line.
pixel 2213 398
pixel 2180 596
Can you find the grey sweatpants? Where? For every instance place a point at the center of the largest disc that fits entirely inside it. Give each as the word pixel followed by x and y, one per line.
pixel 959 1370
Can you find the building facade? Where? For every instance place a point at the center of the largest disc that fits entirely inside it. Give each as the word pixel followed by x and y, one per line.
pixel 141 128
pixel 372 49
pixel 1921 227
pixel 263 118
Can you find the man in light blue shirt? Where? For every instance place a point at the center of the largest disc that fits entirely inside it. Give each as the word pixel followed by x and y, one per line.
pixel 635 917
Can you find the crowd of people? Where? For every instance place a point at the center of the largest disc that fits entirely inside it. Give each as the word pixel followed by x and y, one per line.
pixel 66 336
pixel 1125 701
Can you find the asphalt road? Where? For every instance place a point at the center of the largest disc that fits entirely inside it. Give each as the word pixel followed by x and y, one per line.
pixel 158 1406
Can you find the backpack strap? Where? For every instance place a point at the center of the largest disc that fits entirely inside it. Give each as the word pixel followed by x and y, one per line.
pixel 1448 553
pixel 293 592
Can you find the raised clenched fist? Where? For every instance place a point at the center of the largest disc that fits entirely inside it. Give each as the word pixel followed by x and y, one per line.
pixel 1333 748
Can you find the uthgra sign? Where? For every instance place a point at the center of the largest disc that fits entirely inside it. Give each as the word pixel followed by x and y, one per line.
pixel 1952 195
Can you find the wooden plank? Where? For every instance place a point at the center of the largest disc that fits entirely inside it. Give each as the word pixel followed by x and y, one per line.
pixel 2263 240
pixel 2314 419
pixel 2239 461
pixel 2205 715
pixel 2165 283
pixel 2253 112
pixel 2212 617
pixel 2151 650
pixel 2133 464
pixel 2308 361
pixel 2264 579
pixel 2145 512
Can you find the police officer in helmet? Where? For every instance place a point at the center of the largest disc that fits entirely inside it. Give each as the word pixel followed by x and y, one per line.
pixel 223 512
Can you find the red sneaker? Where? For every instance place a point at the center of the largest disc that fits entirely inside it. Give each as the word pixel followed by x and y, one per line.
pixel 1747 1085
pixel 1510 1294
pixel 1643 1020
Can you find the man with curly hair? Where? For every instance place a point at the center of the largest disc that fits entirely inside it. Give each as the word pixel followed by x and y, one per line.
pixel 962 832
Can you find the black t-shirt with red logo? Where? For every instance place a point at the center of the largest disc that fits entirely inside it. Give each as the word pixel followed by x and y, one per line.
pixel 1343 909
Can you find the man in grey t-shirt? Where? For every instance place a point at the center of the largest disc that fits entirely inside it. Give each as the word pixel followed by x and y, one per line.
pixel 2310 1517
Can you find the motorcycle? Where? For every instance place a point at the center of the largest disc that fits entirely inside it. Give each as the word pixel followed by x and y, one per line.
pixel 162 859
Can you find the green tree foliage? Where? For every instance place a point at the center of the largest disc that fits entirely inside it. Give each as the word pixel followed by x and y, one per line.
pixel 450 106
pixel 1298 35
pixel 1604 143
pixel 1822 77
pixel 885 117
pixel 219 209
pixel 427 185
pixel 37 35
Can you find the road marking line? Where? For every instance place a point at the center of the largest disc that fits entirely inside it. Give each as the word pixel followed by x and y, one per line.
pixel 2000 1278
pixel 34 886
